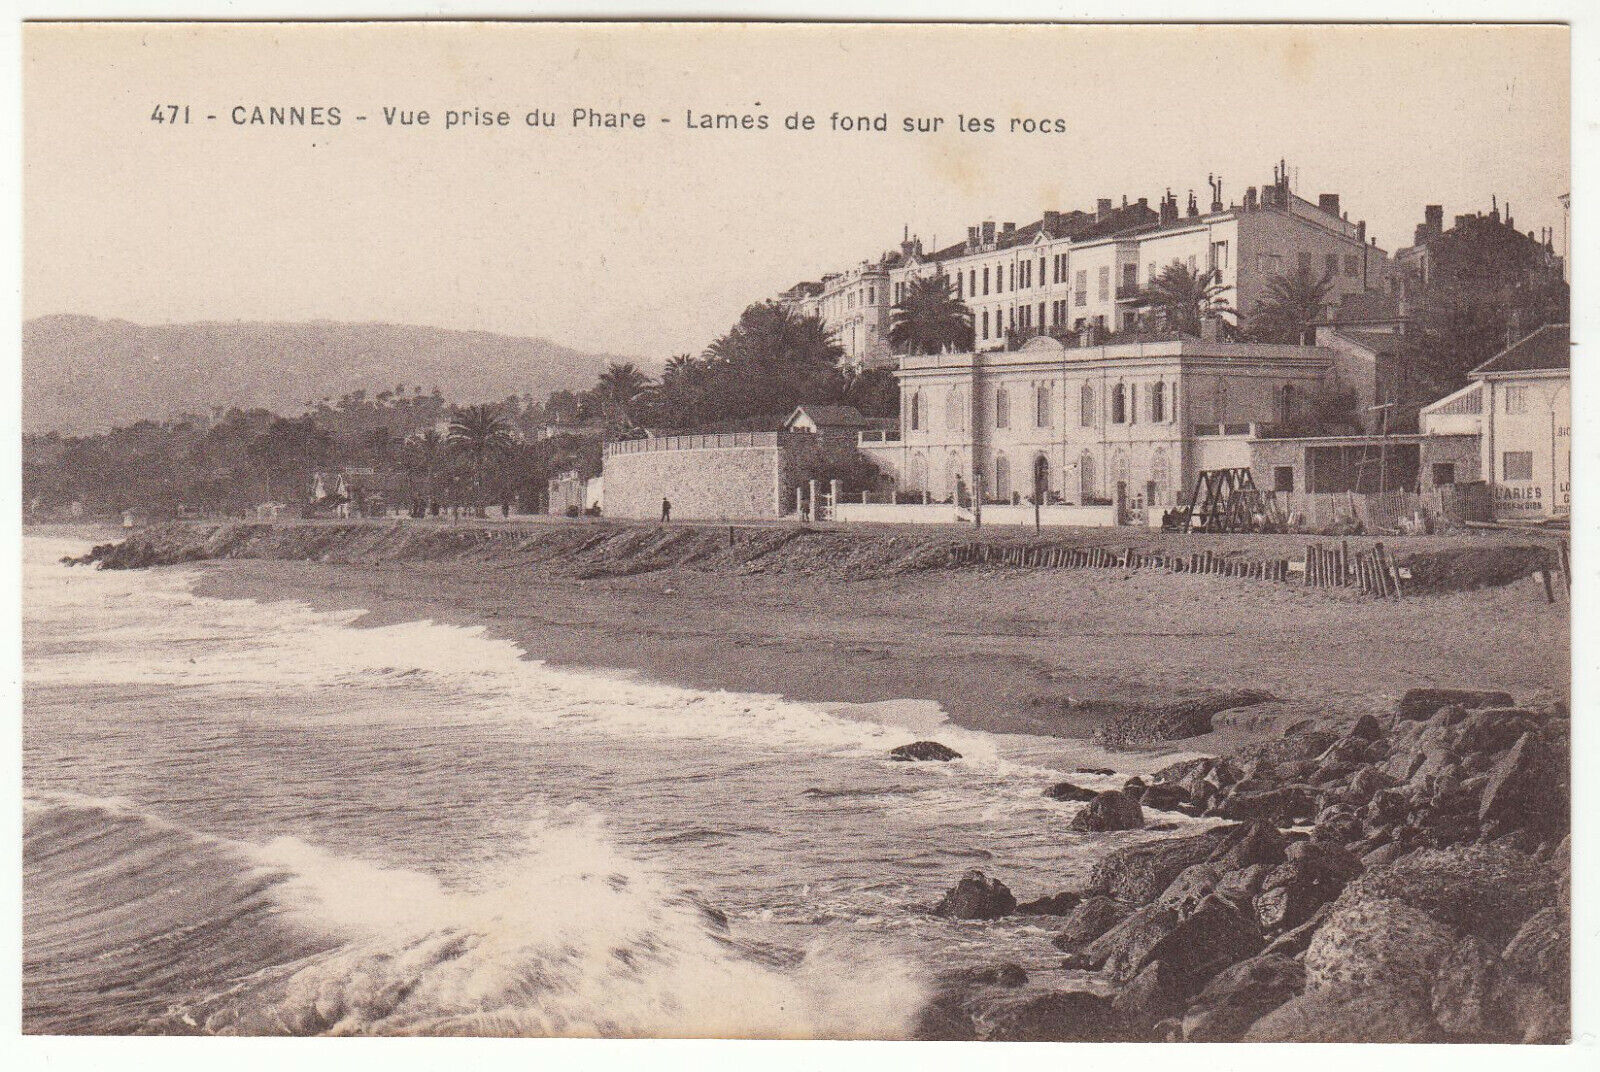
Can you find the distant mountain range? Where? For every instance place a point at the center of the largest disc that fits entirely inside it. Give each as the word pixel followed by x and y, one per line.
pixel 81 374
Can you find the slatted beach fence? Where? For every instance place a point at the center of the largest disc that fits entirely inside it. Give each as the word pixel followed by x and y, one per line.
pixel 1372 572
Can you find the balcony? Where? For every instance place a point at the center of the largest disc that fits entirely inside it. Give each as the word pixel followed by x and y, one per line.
pixel 1129 292
pixel 877 436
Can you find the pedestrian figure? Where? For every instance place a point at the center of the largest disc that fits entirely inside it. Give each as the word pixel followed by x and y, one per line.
pixel 666 509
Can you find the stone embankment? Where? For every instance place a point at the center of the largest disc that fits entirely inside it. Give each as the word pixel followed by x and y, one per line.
pixel 1401 880
pixel 619 550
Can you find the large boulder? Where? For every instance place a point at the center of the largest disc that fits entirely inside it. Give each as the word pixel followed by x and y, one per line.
pixel 1137 874
pixel 1055 905
pixel 1374 941
pixel 1418 704
pixel 976 896
pixel 1527 789
pixel 1111 810
pixel 1248 845
pixel 1464 998
pixel 1091 918
pixel 1483 890
pixel 1241 995
pixel 923 752
pixel 1069 791
pixel 1155 994
pixel 1194 947
pixel 1280 805
pixel 1061 1016
pixel 1349 1012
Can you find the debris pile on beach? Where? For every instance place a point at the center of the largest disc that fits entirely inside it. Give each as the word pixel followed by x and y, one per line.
pixel 1406 879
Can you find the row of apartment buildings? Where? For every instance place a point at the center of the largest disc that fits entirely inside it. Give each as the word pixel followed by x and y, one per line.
pixel 1068 272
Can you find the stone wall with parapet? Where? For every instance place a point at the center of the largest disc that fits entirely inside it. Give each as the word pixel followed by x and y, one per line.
pixel 702 483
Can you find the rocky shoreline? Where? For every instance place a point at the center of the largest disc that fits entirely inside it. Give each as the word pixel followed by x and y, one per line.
pixel 1404 879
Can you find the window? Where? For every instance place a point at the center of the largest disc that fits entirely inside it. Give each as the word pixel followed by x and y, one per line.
pixel 1158 403
pixel 1516 399
pixel 1041 269
pixel 1283 478
pixel 972 282
pixel 986 279
pixel 985 322
pixel 1330 265
pixel 1352 265
pixel 1130 277
pixel 916 410
pixel 1443 473
pixel 1133 403
pixel 1041 406
pixel 1080 288
pixel 1119 404
pixel 1517 465
pixel 955 410
pixel 1002 408
pixel 1041 316
pixel 959 281
pixel 1219 255
pixel 1104 281
pixel 1027 317
pixel 1086 406
pixel 1002 478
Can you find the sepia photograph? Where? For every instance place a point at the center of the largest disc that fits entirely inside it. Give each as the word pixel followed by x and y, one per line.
pixel 1049 532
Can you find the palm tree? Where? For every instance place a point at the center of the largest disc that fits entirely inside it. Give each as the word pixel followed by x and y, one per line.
pixel 618 386
pixel 480 433
pixel 1291 305
pixel 425 450
pixel 930 318
pixel 1185 298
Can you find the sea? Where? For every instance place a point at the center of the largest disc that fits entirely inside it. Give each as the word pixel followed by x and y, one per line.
pixel 255 817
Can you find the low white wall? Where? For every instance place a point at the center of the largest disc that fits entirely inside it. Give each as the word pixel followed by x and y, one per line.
pixel 1090 516
pixel 944 514
pixel 905 514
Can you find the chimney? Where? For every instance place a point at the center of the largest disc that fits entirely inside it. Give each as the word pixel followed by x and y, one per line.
pixel 1052 222
pixel 988 232
pixel 1124 200
pixel 1102 208
pixel 1250 199
pixel 1433 216
pixel 1215 182
pixel 1169 208
pixel 1007 227
pixel 1143 203
pixel 972 239
pixel 1194 206
pixel 1329 203
pixel 1361 231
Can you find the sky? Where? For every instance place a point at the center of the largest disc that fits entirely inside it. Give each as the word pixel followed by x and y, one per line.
pixel 649 242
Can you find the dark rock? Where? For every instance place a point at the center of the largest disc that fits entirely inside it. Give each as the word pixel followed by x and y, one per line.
pixel 1240 996
pixel 1092 917
pixel 1254 843
pixel 1194 947
pixel 1368 780
pixel 1110 810
pixel 1094 770
pixel 1241 886
pixel 1161 826
pixel 922 752
pixel 1527 788
pixel 1193 885
pixel 1493 729
pixel 1137 874
pixel 1163 797
pixel 1153 995
pixel 1068 791
pixel 1349 1013
pixel 1294 942
pixel 1280 806
pixel 1383 854
pixel 1058 905
pixel 1061 1016
pixel 1479 890
pixel 976 896
pixel 1367 728
pixel 1191 718
pixel 1009 976
pixel 1541 951
pixel 1423 703
pixel 1373 941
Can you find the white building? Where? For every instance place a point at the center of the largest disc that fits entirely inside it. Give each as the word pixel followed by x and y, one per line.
pixel 1519 405
pixel 1084 424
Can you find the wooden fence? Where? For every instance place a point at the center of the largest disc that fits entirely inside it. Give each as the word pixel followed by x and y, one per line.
pixel 1046 556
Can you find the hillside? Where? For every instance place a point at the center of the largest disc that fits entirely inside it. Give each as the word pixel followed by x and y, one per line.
pixel 82 374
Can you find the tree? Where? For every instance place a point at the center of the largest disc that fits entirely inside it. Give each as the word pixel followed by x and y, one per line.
pixel 875 392
pixel 480 434
pixel 618 387
pixel 1292 304
pixel 930 319
pixel 770 361
pixel 1185 298
pixel 424 454
pixel 288 451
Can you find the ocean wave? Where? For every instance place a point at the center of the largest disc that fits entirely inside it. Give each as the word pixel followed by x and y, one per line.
pixel 567 937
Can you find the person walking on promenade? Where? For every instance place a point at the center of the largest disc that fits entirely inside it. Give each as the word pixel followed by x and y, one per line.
pixel 666 509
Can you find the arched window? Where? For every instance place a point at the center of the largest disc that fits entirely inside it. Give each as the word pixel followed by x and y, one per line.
pixel 916 410
pixel 1158 402
pixel 1119 404
pixel 954 486
pixel 1133 403
pixel 918 476
pixel 1086 477
pixel 1002 408
pixel 955 410
pixel 1002 478
pixel 1160 479
pixel 1041 478
pixel 1086 406
pixel 1041 406
pixel 1119 469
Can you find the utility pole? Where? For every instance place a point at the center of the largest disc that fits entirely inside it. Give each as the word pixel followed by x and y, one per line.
pixel 1383 443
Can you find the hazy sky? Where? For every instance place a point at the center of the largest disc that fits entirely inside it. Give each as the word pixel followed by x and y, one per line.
pixel 649 242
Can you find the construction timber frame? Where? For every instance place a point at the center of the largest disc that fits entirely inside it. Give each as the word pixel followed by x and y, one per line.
pixel 1227 500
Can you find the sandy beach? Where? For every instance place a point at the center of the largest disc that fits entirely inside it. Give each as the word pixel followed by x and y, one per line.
pixel 1000 650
